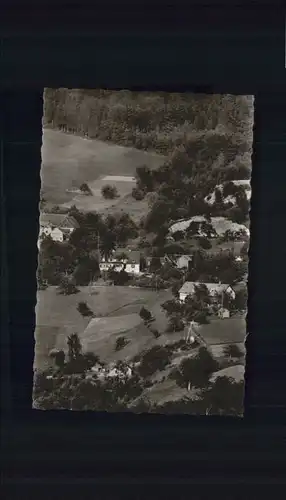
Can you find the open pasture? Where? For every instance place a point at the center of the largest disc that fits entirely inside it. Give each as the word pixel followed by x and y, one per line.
pixel 69 160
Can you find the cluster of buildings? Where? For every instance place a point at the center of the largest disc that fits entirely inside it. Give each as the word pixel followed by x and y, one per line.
pixel 113 370
pixel 214 289
pixel 58 226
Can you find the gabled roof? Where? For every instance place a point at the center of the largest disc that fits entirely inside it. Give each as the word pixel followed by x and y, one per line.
pixel 58 220
pixel 189 287
pixel 133 256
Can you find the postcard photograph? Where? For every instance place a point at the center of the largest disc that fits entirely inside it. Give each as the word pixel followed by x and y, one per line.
pixel 143 252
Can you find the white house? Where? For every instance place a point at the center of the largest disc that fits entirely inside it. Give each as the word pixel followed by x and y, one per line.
pixel 223 313
pixel 58 226
pixel 188 288
pixel 127 260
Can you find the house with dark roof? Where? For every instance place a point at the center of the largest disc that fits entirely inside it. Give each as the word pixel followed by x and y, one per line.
pixel 58 226
pixel 122 259
pixel 188 288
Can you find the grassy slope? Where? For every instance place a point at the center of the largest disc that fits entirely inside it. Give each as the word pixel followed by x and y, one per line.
pixel 69 160
pixel 57 315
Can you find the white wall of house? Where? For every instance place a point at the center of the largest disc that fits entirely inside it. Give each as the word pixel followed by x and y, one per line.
pixel 183 296
pixel 129 267
pixel 183 262
pixel 223 313
pixel 57 234
pixel 231 292
pixel 132 268
pixel 105 266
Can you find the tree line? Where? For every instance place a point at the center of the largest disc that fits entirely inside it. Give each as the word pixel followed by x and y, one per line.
pixel 150 121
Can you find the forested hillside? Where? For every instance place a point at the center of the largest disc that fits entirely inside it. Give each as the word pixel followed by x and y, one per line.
pixel 151 121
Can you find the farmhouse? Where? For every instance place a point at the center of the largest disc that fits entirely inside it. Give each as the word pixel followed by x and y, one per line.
pixel 188 288
pixel 127 260
pixel 223 313
pixel 57 226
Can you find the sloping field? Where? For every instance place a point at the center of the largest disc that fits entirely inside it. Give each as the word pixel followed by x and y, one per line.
pixel 69 160
pixel 96 202
pixel 217 350
pixel 100 337
pixel 236 372
pixel 57 315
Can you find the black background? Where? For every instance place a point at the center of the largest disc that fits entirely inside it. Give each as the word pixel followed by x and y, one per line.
pixel 208 48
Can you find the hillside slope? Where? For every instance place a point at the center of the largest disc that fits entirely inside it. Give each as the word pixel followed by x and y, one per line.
pixel 69 160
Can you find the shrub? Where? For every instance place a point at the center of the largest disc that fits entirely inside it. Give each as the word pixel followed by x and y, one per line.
pixel 109 192
pixel 84 310
pixel 120 343
pixel 67 287
pixel 145 314
pixel 85 189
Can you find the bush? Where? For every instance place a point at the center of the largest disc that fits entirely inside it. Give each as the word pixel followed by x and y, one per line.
pixel 109 192
pixel 85 189
pixel 84 310
pixel 67 287
pixel 120 343
pixel 145 314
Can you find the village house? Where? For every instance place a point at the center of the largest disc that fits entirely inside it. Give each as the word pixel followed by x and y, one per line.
pixel 214 289
pixel 58 226
pixel 223 313
pixel 122 259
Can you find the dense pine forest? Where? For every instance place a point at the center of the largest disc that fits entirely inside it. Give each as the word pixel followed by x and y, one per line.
pixel 149 121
